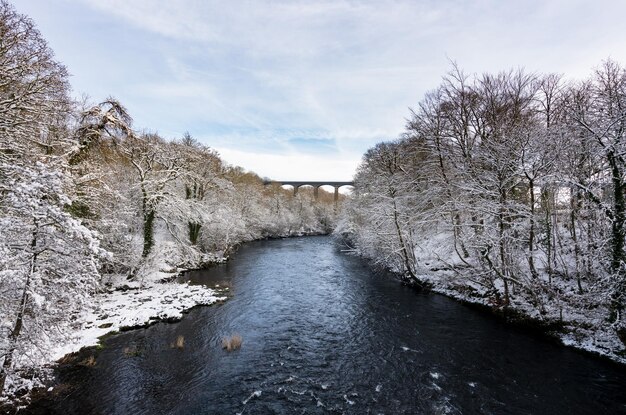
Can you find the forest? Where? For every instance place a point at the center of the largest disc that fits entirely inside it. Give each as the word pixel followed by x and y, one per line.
pixel 87 201
pixel 507 190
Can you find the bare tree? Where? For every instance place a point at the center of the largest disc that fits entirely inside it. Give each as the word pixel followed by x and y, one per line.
pixel 598 108
pixel 33 88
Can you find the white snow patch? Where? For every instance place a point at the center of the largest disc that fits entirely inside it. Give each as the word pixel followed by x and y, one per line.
pixel 132 308
pixel 111 311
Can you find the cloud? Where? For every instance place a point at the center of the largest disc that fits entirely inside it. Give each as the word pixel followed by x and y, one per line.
pixel 302 29
pixel 257 76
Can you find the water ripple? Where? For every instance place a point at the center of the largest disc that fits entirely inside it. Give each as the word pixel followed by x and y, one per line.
pixel 323 334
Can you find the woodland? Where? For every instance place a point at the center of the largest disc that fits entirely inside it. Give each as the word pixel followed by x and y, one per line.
pixel 506 190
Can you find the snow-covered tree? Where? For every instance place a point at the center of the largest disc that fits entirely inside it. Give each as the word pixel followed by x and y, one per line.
pixel 33 89
pixel 49 261
pixel 598 109
pixel 519 179
pixel 203 180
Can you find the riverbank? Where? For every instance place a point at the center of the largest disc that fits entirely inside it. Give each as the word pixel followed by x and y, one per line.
pixel 153 295
pixel 584 329
pixel 575 311
pixel 589 334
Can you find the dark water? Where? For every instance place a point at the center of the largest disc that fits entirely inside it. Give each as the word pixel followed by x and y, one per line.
pixel 323 334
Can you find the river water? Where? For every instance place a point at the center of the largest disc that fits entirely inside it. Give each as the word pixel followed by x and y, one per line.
pixel 324 334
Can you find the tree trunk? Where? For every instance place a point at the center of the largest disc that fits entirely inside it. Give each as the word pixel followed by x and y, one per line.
pixel 192 192
pixel 17 328
pixel 148 224
pixel 619 210
pixel 405 254
pixel 545 196
pixel 456 217
pixel 194 232
pixel 617 237
pixel 531 231
pixel 502 243
pixel 456 226
pixel 575 208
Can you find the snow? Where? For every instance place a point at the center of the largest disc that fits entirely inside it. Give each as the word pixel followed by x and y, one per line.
pixel 114 310
pixel 579 321
pixel 142 301
pixel 136 308
pixel 348 401
pixel 582 329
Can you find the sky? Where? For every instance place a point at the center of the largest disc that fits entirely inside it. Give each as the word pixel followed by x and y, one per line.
pixel 299 90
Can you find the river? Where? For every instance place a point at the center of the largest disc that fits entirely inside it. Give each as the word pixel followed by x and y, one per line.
pixel 325 334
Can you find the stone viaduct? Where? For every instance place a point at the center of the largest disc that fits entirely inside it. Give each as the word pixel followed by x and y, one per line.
pixel 315 184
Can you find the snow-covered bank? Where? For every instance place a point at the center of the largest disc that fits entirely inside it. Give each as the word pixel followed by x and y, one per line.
pixel 584 328
pixel 125 306
pixel 576 315
pixel 134 308
pixel 584 331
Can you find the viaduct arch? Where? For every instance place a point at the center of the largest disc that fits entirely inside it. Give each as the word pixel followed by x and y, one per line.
pixel 315 184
